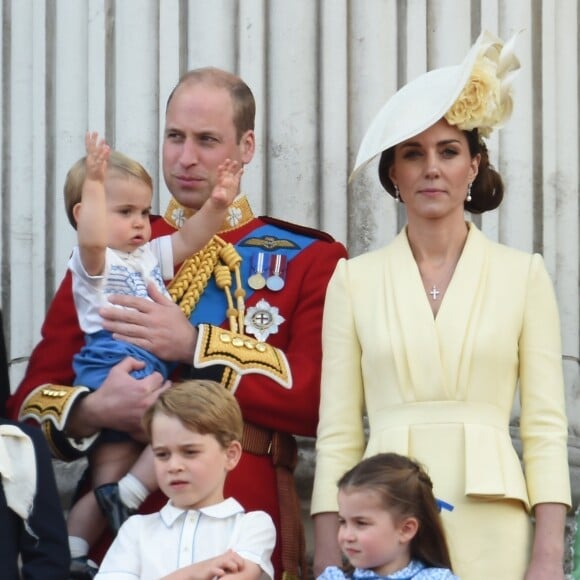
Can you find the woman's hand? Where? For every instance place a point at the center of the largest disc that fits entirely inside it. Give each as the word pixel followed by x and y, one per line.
pixel 547 558
pixel 545 569
pixel 326 549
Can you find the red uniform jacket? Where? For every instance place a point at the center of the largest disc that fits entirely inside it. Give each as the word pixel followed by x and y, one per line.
pixel 265 403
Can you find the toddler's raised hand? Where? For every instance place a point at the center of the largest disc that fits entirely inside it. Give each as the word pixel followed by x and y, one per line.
pixel 97 156
pixel 229 174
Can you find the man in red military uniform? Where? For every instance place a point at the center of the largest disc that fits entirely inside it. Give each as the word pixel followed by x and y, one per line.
pixel 254 299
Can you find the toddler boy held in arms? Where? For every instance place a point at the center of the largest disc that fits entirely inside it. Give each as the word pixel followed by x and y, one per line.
pixel 108 201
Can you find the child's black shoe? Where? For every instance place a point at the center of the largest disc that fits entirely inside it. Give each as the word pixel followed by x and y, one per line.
pixel 82 568
pixel 111 505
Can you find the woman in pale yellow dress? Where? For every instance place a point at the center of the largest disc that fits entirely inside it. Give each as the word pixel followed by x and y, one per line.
pixel 433 335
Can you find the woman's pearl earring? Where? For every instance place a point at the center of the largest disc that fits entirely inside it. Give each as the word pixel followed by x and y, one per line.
pixel 468 198
pixel 397 193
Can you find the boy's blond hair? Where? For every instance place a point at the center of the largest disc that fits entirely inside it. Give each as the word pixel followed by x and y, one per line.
pixel 205 407
pixel 120 164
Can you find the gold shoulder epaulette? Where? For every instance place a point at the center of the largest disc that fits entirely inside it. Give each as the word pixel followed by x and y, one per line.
pixel 244 354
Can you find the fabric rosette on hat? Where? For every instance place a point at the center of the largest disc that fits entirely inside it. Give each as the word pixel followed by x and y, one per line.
pixel 474 94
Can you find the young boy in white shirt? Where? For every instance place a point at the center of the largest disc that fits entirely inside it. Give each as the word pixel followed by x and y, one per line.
pixel 195 429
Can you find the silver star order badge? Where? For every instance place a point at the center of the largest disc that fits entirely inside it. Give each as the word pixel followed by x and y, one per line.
pixel 178 216
pixel 234 216
pixel 262 320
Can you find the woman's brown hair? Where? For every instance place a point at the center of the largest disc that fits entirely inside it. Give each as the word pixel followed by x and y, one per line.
pixel 486 190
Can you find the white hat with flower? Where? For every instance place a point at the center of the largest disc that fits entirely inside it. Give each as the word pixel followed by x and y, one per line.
pixel 474 94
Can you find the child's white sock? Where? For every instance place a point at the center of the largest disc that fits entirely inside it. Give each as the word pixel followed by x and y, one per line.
pixel 132 492
pixel 79 547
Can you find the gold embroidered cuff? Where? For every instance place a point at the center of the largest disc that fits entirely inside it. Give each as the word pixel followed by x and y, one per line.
pixel 244 354
pixel 51 403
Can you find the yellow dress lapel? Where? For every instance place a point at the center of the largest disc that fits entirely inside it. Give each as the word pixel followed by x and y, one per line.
pixel 459 314
pixel 433 354
pixel 411 319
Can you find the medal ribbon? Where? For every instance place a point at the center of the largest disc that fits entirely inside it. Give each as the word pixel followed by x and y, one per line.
pixel 212 305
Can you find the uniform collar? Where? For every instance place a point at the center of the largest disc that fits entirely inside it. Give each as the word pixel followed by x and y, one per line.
pixel 239 214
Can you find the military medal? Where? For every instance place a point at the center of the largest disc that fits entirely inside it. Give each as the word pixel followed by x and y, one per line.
pixel 277 273
pixel 257 281
pixel 262 320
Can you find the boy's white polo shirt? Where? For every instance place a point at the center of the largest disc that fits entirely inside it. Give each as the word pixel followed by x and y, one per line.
pixel 151 546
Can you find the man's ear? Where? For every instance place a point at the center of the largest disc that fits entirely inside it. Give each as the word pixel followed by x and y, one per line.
pixel 233 454
pixel 408 528
pixel 247 146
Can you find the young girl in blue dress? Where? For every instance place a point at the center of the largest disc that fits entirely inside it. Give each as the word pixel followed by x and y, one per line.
pixel 389 523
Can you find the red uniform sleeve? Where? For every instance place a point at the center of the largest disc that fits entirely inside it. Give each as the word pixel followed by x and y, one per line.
pixel 51 359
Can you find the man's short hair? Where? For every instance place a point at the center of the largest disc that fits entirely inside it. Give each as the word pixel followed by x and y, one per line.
pixel 243 100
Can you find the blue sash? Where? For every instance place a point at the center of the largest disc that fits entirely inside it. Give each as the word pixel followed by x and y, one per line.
pixel 212 306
